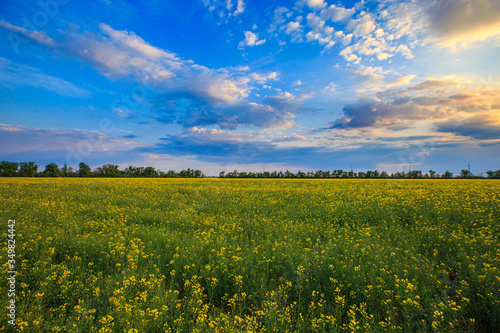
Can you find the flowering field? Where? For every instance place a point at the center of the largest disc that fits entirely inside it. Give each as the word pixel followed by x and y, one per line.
pixel 236 255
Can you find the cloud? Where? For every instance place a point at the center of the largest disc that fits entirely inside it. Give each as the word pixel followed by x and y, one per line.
pixel 251 39
pixel 375 78
pixel 484 126
pixel 240 8
pixel 336 13
pixel 223 9
pixel 461 22
pixel 452 23
pixel 316 4
pixel 446 105
pixel 30 140
pixel 226 148
pixel 14 75
pixel 192 111
pixel 362 26
pixel 374 112
pixel 37 36
pixel 124 55
pixel 401 81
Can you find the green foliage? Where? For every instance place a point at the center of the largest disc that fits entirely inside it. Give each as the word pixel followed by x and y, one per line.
pixel 52 170
pixel 8 169
pixel 28 169
pixel 84 170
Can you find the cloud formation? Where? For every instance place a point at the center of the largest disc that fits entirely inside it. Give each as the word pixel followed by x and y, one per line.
pixel 12 75
pixel 451 103
pixel 450 23
pixel 251 39
pixel 220 93
pixel 225 9
pixel 24 140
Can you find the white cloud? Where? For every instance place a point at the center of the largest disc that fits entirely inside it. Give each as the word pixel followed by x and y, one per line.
pixel 293 27
pixel 240 8
pixel 262 78
pixel 452 23
pixel 295 30
pixel 225 9
pixel 362 26
pixel 316 4
pixel 13 75
pixel 251 39
pixel 336 13
pixel 35 140
pixel 124 55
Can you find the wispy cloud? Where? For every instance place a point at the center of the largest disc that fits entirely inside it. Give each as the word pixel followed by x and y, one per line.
pixel 27 140
pixel 12 75
pixel 124 55
pixel 225 9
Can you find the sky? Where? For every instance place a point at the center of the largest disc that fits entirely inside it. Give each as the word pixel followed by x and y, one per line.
pixel 222 85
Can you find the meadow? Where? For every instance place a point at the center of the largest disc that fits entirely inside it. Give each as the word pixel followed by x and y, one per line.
pixel 239 255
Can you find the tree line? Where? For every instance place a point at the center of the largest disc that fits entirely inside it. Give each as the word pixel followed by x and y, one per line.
pixel 30 169
pixel 415 174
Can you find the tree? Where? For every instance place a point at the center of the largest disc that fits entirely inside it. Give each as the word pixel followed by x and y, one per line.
pixel 28 169
pixel 432 173
pixel 52 170
pixel 67 171
pixel 465 173
pixel 110 170
pixel 493 174
pixel 150 172
pixel 447 175
pixel 8 169
pixel 84 170
pixel 301 174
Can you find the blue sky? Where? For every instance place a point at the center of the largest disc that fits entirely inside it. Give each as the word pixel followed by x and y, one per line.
pixel 240 84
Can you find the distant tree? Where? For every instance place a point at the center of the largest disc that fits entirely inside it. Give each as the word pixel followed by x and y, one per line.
pixel 301 174
pixel 447 175
pixel 465 174
pixel 221 174
pixel 28 169
pixel 171 174
pixel 99 172
pixel 52 170
pixel 84 170
pixel 384 174
pixel 67 171
pixel 187 173
pixel 415 174
pixel 8 169
pixel 493 174
pixel 150 172
pixel 432 174
pixel 110 170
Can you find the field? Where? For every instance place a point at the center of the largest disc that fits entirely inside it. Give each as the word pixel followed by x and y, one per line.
pixel 236 255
